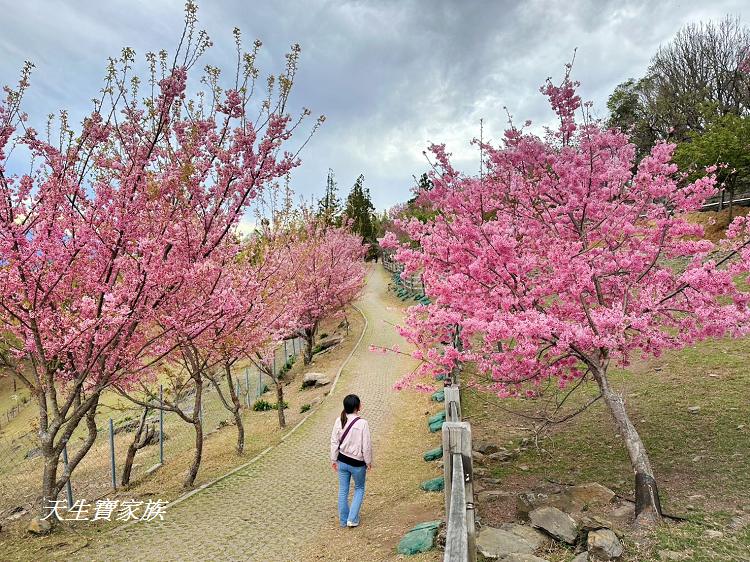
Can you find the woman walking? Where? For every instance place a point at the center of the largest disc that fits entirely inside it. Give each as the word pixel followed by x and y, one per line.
pixel 351 456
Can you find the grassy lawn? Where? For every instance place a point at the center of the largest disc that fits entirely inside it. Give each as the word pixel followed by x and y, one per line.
pixel 701 459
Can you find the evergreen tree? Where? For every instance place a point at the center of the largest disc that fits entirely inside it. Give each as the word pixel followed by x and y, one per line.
pixel 329 206
pixel 360 210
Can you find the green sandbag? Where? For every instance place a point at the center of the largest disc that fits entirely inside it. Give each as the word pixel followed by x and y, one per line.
pixel 438 396
pixel 436 426
pixel 433 454
pixel 440 377
pixel 433 485
pixel 440 416
pixel 415 542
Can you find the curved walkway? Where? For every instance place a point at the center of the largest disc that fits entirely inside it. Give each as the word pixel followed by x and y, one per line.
pixel 271 508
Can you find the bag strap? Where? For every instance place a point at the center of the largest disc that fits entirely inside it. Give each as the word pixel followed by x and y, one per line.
pixel 346 431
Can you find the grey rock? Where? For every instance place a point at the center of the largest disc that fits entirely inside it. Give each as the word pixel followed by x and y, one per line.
pixel 486 448
pixel 502 456
pixel 713 534
pixel 518 557
pixel 315 379
pixel 34 453
pixel 604 545
pixel 496 544
pixel 39 526
pixel 556 523
pixel 694 409
pixel 476 456
pixel 592 493
pixel 583 557
pixel 739 522
pixel 490 495
pixel 535 538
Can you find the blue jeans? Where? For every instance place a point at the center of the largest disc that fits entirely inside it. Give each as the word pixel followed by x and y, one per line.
pixel 346 473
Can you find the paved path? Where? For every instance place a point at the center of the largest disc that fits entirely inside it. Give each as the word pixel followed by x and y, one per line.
pixel 272 507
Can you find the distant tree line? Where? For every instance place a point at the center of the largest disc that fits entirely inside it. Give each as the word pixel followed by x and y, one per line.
pixel 357 209
pixel 696 94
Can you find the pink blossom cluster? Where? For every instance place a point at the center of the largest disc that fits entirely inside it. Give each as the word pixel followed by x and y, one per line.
pixel 566 255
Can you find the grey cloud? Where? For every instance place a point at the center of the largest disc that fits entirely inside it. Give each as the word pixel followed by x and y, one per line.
pixel 390 75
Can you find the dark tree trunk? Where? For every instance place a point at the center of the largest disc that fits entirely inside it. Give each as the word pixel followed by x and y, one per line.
pixel 309 336
pixel 721 199
pixel 142 437
pixel 647 506
pixel 280 403
pixel 236 411
pixel 53 435
pixel 198 425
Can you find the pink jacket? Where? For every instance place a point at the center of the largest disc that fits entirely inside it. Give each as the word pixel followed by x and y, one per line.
pixel 357 445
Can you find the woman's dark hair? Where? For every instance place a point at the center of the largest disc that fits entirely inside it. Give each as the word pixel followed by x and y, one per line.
pixel 351 405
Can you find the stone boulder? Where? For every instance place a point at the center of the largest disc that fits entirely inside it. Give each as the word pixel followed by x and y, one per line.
pixel 496 544
pixel 315 379
pixel 39 526
pixel 604 545
pixel 556 523
pixel 486 448
pixel 518 557
pixel 535 538
pixel 582 557
pixel 592 493
pixel 33 453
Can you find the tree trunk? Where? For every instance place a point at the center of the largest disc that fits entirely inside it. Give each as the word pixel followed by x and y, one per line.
pixel 731 202
pixel 647 504
pixel 50 490
pixel 236 411
pixel 280 403
pixel 309 336
pixel 139 441
pixel 198 425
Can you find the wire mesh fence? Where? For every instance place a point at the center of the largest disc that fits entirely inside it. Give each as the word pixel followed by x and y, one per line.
pixel 100 471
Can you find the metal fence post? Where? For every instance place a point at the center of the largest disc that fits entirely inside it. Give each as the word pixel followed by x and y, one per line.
pixel 286 352
pixel 247 387
pixel 161 424
pixel 260 382
pixel 68 485
pixel 112 453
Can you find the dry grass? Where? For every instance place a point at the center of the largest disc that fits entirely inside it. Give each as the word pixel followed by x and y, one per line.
pixel 19 488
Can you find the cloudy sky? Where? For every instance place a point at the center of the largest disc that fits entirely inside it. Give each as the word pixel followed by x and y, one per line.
pixel 390 76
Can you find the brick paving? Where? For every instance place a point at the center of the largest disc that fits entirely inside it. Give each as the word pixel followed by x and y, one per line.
pixel 270 509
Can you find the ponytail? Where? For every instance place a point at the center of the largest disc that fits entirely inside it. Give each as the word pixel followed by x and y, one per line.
pixel 351 405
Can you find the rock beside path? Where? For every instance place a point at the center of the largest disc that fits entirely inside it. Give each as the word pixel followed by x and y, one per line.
pixel 496 544
pixel 39 526
pixel 556 523
pixel 315 379
pixel 604 545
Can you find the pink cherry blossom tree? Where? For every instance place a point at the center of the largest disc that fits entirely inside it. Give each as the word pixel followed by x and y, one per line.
pixel 560 261
pixel 328 274
pixel 108 225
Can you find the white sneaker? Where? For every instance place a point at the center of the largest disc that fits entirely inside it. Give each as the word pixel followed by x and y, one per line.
pixel 350 524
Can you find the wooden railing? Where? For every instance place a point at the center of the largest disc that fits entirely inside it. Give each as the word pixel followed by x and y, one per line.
pixel 460 544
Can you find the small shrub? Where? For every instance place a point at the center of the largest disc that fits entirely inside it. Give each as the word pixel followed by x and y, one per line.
pixel 304 408
pixel 323 335
pixel 284 405
pixel 262 406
